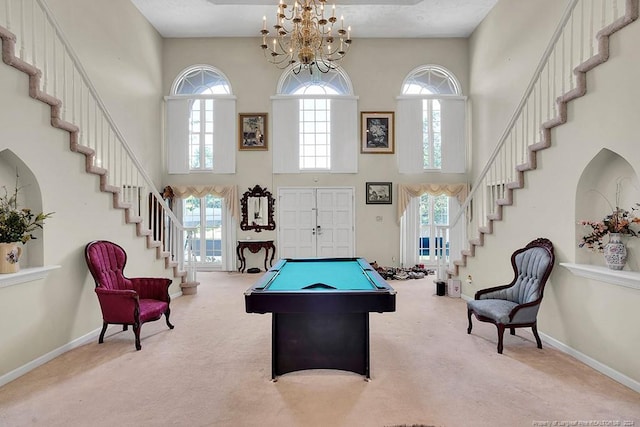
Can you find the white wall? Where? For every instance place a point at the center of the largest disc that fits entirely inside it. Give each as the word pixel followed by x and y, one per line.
pixel 41 316
pixel 376 67
pixel 121 53
pixel 597 319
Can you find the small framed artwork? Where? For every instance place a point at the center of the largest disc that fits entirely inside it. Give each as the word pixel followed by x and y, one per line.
pixel 378 193
pixel 377 132
pixel 253 131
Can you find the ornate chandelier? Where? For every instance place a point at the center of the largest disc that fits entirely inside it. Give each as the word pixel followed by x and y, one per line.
pixel 304 38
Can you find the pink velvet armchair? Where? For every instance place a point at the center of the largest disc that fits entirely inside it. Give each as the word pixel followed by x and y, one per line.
pixel 125 301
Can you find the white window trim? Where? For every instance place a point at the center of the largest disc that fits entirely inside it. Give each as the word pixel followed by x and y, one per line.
pixel 344 134
pixel 177 134
pixel 409 134
pixel 410 232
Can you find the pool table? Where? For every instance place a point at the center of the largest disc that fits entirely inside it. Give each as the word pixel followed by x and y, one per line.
pixel 320 312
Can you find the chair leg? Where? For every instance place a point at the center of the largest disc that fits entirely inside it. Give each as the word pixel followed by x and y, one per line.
pixel 534 328
pixel 125 327
pixel 513 331
pixel 104 329
pixel 470 324
pixel 136 331
pixel 166 315
pixel 500 335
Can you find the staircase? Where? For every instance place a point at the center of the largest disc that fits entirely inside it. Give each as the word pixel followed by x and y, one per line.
pixel 576 47
pixel 57 79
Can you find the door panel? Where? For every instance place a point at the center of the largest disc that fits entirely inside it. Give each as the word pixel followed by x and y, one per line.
pixel 296 224
pixel 335 219
pixel 316 222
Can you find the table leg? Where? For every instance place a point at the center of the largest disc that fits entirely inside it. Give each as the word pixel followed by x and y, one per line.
pixel 240 253
pixel 273 254
pixel 266 255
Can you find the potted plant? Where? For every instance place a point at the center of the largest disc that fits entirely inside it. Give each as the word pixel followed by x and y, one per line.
pixel 16 228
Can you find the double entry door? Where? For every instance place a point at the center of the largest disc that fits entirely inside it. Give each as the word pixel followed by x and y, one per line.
pixel 315 222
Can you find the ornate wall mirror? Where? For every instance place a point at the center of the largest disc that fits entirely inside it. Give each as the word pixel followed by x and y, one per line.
pixel 257 210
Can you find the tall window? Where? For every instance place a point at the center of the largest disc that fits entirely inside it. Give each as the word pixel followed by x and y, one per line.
pixel 315 120
pixel 201 135
pixel 431 135
pixel 432 94
pixel 202 217
pixel 199 110
pixel 315 135
pixel 325 136
pixel 434 212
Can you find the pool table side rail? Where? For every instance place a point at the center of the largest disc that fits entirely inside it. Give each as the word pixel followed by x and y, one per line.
pixel 325 302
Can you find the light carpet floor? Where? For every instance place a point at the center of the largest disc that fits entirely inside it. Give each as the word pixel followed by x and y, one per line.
pixel 214 369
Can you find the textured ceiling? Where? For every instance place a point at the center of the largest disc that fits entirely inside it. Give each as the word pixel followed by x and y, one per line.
pixel 367 18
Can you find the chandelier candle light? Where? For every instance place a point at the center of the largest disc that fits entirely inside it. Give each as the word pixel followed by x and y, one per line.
pixel 304 38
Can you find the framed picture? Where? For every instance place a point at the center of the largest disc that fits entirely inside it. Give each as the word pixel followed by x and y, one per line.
pixel 376 132
pixel 378 193
pixel 253 131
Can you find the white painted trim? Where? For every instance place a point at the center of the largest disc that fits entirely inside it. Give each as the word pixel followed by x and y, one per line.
pixel 78 342
pixel 22 370
pixel 598 366
pixel 26 275
pixel 629 279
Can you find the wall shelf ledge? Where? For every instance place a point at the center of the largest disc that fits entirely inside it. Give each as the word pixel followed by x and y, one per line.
pixel 629 279
pixel 26 275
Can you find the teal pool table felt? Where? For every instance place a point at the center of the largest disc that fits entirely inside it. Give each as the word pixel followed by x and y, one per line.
pixel 334 275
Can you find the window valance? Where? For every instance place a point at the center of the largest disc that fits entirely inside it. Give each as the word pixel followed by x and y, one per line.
pixel 228 192
pixel 408 191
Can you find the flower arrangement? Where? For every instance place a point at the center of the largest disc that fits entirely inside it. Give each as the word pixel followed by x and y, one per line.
pixel 17 225
pixel 618 221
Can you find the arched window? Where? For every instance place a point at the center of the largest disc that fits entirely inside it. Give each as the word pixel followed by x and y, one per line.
pixel 200 99
pixel 315 123
pixel 431 122
pixel 334 82
pixel 431 80
pixel 201 80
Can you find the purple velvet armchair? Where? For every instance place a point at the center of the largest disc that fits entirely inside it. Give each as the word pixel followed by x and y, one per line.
pixel 125 301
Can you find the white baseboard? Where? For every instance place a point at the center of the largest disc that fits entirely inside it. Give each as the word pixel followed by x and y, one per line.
pixel 598 366
pixel 18 372
pixel 93 335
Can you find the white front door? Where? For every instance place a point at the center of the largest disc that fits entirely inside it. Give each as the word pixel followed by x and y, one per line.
pixel 315 222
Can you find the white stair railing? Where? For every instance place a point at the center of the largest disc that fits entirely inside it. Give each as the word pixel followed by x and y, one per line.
pixel 442 252
pixel 41 43
pixel 576 47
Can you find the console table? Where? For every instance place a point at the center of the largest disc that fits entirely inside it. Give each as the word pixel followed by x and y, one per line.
pixel 255 246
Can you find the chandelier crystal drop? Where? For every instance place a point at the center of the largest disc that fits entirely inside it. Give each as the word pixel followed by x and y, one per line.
pixel 304 38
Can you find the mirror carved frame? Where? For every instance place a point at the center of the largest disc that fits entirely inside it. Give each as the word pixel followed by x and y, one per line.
pixel 245 224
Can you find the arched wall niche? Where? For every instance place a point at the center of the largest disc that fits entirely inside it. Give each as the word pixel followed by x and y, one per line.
pixel 29 196
pixel 607 177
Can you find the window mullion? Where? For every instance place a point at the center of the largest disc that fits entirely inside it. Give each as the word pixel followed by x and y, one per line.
pixel 431 135
pixel 432 225
pixel 203 133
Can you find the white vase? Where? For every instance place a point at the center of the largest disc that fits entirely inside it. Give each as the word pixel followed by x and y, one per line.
pixel 615 252
pixel 10 257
